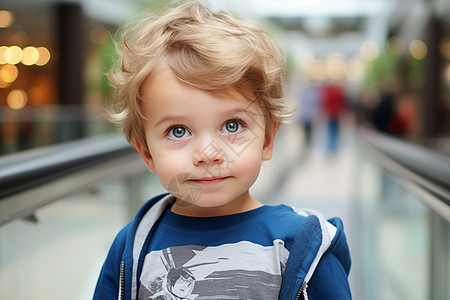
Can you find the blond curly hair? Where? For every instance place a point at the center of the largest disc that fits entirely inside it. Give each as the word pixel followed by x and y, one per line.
pixel 210 51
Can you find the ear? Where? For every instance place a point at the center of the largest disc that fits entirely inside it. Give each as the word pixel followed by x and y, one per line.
pixel 267 150
pixel 146 156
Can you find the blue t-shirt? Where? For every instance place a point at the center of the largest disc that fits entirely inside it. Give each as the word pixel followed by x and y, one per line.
pixel 240 256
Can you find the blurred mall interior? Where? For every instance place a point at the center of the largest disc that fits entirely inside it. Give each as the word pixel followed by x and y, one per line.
pixel 370 141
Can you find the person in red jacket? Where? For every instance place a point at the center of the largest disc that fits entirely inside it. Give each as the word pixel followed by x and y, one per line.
pixel 333 105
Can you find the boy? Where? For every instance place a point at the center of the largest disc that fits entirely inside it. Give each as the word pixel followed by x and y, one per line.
pixel 199 95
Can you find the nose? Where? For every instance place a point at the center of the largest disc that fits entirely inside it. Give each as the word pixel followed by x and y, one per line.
pixel 210 153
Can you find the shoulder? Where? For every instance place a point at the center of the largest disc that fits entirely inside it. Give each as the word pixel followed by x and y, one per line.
pixel 320 250
pixel 305 220
pixel 328 227
pixel 328 274
pixel 292 214
pixel 284 217
pixel 329 231
pixel 339 246
pixel 330 277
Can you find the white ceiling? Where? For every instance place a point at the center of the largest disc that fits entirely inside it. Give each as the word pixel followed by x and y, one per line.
pixel 318 25
pixel 118 11
pixel 307 8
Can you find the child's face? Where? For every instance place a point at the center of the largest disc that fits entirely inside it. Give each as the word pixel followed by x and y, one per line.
pixel 206 149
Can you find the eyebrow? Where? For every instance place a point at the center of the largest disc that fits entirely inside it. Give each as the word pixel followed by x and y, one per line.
pixel 170 119
pixel 182 118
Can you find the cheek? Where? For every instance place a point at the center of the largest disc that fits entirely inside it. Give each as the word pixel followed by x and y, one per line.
pixel 249 161
pixel 251 164
pixel 169 166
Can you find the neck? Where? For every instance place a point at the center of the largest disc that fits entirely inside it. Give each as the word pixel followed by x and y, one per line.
pixel 241 204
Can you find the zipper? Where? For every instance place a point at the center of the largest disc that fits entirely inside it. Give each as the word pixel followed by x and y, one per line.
pixel 302 292
pixel 122 281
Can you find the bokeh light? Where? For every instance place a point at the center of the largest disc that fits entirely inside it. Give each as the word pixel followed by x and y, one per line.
pixel 356 70
pixel 13 55
pixel 316 69
pixel 8 73
pixel 6 18
pixel 2 54
pixel 418 49
pixel 99 35
pixel 17 99
pixel 336 66
pixel 445 48
pixel 30 56
pixel 447 73
pixel 369 51
pixel 44 56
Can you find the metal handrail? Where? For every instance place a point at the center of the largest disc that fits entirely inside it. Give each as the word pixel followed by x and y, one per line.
pixel 417 167
pixel 35 178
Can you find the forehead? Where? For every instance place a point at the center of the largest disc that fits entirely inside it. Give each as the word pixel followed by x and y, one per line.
pixel 164 91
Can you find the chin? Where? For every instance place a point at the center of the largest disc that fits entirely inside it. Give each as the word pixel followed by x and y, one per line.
pixel 210 201
pixel 205 200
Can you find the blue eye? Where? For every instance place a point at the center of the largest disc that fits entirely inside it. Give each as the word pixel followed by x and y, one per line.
pixel 178 132
pixel 233 127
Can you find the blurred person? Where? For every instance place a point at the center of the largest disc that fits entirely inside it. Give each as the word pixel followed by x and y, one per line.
pixel 405 123
pixel 393 111
pixel 309 99
pixel 384 113
pixel 364 108
pixel 199 95
pixel 333 106
pixel 386 117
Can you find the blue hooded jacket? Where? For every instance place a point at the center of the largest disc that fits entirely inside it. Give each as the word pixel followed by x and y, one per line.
pixel 317 267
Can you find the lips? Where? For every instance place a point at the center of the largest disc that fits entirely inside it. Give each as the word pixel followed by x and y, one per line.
pixel 209 180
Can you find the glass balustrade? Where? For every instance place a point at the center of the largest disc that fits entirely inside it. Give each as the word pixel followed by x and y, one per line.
pixel 57 252
pixel 403 244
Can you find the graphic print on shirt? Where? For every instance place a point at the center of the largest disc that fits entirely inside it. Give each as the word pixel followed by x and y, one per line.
pixel 243 270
